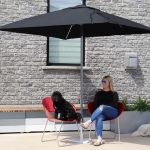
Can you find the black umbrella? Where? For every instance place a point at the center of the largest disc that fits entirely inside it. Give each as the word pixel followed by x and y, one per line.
pixel 74 22
pixel 67 24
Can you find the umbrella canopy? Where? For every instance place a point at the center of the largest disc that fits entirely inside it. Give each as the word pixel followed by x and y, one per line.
pixel 66 24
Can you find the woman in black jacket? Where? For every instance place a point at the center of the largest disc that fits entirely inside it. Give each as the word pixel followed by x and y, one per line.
pixel 105 106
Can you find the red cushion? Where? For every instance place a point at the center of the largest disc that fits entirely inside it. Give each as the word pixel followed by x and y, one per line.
pixel 90 107
pixel 48 104
pixel 120 108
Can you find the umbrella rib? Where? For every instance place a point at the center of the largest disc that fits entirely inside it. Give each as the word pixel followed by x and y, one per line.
pixel 69 31
pixel 109 19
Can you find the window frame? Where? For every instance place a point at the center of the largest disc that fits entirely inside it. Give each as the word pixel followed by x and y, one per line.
pixel 62 64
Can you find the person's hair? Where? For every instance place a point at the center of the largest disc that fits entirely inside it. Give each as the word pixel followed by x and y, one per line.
pixel 109 78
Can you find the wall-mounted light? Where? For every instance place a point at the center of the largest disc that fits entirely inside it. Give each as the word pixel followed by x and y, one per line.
pixel 131 60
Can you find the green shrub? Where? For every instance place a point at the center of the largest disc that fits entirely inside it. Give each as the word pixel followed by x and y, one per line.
pixel 142 105
pixel 128 106
pixel 139 105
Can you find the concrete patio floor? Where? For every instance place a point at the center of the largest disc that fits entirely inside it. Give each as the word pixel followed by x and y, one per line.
pixel 32 141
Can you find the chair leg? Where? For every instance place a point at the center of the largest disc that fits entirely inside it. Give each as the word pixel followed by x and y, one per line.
pixel 78 128
pixel 118 129
pixel 90 132
pixel 114 129
pixel 60 126
pixel 56 133
pixel 44 130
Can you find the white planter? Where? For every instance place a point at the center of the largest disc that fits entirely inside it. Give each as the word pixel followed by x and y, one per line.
pixel 12 122
pixel 130 121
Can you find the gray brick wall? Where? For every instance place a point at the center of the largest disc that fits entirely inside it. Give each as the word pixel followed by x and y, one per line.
pixel 23 81
pixel 106 55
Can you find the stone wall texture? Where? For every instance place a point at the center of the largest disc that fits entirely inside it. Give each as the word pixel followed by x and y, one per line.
pixel 23 81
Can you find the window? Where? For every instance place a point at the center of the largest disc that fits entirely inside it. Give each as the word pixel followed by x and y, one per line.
pixel 63 52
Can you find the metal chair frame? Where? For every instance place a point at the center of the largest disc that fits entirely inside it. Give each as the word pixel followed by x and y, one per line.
pixel 118 124
pixel 54 120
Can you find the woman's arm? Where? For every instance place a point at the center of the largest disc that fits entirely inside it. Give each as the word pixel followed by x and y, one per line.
pixel 115 99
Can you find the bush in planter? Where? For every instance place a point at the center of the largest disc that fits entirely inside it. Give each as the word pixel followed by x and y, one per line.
pixel 132 118
pixel 127 106
pixel 141 105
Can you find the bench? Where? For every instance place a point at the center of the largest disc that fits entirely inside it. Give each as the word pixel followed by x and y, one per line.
pixel 24 118
pixel 30 118
pixel 28 108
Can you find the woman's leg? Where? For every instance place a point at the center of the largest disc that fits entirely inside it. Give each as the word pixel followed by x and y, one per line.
pixel 99 128
pixel 96 113
pixel 94 116
pixel 100 115
pixel 99 125
pixel 107 111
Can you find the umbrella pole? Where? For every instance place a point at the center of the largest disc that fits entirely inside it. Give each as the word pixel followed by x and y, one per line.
pixel 81 71
pixel 82 140
pixel 83 2
pixel 81 81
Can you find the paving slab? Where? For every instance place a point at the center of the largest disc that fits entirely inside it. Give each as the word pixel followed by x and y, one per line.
pixel 32 141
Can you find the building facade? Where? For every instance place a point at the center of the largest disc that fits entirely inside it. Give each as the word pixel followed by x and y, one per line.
pixel 25 77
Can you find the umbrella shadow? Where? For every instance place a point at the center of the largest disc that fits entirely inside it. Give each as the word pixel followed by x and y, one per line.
pixel 136 140
pixel 66 142
pixel 68 139
pixel 125 138
pixel 65 139
pixel 48 140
